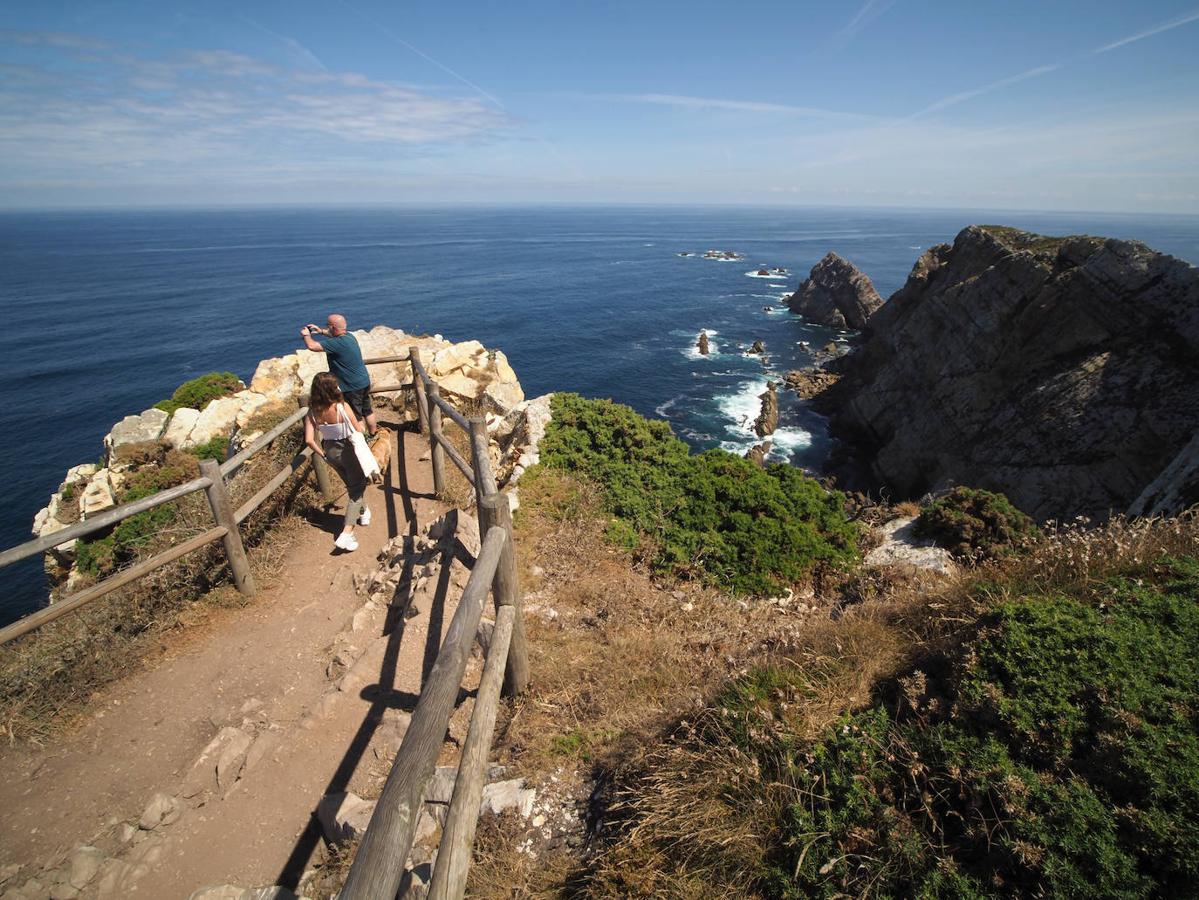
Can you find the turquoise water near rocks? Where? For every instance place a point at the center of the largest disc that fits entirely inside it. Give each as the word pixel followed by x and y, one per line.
pixel 107 312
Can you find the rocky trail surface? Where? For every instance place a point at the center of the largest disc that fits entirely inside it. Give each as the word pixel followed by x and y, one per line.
pixel 208 769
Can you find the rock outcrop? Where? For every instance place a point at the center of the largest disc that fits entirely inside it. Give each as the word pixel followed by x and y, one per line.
pixel 756 347
pixel 702 343
pixel 758 452
pixel 468 373
pixel 1060 371
pixel 768 418
pixel 836 293
pixel 1175 489
pixel 807 383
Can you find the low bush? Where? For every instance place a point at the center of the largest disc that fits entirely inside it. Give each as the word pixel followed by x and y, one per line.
pixel 713 515
pixel 199 392
pixel 215 449
pixel 975 524
pixel 1052 752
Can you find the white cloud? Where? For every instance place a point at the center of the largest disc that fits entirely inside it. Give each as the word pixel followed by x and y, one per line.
pixel 1157 29
pixel 198 113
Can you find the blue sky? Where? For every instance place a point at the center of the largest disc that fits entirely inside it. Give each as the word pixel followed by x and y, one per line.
pixel 991 104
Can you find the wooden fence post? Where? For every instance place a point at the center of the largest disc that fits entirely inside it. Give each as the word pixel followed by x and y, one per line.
pixel 418 387
pixel 494 511
pixel 481 459
pixel 222 511
pixel 436 453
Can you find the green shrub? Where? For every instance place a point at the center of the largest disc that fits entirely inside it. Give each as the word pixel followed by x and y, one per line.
pixel 974 524
pixel 1055 753
pixel 215 449
pixel 752 529
pixel 199 392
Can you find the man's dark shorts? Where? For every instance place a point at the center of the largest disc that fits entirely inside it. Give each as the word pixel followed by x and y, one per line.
pixel 360 402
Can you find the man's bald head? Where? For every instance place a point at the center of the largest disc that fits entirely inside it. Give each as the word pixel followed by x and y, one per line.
pixel 337 324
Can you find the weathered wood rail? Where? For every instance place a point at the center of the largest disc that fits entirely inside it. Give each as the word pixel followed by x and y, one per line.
pixel 379 865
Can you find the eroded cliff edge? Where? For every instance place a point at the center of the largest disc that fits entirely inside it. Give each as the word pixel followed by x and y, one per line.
pixel 1060 371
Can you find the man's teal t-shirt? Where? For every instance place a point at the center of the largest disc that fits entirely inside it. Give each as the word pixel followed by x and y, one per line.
pixel 345 361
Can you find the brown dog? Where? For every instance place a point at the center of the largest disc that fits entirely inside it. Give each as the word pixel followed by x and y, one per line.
pixel 380 446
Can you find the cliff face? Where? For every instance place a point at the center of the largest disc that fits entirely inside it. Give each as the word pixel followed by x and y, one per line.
pixel 1060 371
pixel 836 293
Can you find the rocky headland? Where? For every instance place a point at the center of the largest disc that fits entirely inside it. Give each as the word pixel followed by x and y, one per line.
pixel 837 294
pixel 1059 371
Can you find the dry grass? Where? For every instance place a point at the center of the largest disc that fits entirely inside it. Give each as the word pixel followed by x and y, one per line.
pixel 698 817
pixel 49 676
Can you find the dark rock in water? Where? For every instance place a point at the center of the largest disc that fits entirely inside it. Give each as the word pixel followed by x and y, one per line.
pixel 756 347
pixel 1060 371
pixel 830 347
pixel 702 343
pixel 768 418
pixel 757 453
pixel 807 383
pixel 836 294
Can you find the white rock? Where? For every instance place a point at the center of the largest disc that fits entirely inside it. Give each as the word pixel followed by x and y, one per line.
pixel 233 757
pixel 81 472
pixel 441 785
pixel 217 418
pixel 180 427
pixel 502 796
pixel 277 378
pixel 901 548
pixel 459 385
pixel 97 496
pixel 136 429
pixel 203 774
pixel 344 816
pixel 455 357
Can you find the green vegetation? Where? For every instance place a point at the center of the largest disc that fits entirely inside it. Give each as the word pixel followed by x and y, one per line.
pixel 974 524
pixel 1026 240
pixel 713 515
pixel 104 555
pixel 199 392
pixel 215 449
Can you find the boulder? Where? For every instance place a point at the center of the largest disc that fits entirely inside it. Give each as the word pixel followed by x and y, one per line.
pixel 97 496
pixel 758 452
pixel 136 429
pixel 837 294
pixel 216 419
pixel 1058 371
pixel 344 816
pixel 459 385
pixel 180 427
pixel 757 347
pixel 276 378
pixel 702 344
pixel 501 796
pixel 901 548
pixel 454 357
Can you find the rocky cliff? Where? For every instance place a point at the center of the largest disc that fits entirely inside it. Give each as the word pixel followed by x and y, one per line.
pixel 836 293
pixel 1060 371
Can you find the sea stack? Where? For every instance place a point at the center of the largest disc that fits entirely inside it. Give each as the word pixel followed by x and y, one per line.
pixel 757 347
pixel 1059 371
pixel 768 418
pixel 837 294
pixel 702 343
pixel 757 453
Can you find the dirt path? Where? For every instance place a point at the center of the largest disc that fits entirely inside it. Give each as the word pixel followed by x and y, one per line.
pixel 260 681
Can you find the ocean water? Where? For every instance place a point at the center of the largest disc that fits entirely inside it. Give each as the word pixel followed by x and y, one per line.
pixel 107 312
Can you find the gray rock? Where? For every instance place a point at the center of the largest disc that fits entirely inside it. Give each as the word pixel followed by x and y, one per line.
pixel 768 418
pixel 501 796
pixel 902 549
pixel 162 810
pixel 1058 371
pixel 1175 489
pixel 84 863
pixel 836 294
pixel 344 816
pixel 136 429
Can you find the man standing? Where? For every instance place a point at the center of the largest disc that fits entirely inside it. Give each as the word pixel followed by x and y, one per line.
pixel 345 363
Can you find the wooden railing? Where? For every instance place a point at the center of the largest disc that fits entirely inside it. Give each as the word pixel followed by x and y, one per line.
pixel 378 867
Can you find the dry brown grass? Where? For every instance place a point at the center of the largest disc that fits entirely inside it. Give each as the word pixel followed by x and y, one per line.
pixel 49 676
pixel 698 816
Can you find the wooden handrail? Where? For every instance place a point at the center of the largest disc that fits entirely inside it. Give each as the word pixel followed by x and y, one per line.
pixel 378 867
pixel 453 855
pixel 456 458
pixel 100 522
pixel 108 585
pixel 447 408
pixel 235 462
pixel 244 511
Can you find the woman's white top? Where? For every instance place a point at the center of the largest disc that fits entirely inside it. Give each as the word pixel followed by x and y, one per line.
pixel 339 430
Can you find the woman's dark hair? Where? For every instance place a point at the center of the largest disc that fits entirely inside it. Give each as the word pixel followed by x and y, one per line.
pixel 325 392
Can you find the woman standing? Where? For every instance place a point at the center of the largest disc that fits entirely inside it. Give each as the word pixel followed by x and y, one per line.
pixel 332 419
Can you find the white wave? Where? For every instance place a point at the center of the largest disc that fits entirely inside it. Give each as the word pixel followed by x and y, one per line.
pixel 756 274
pixel 663 409
pixel 691 351
pixel 742 409
pixel 914 247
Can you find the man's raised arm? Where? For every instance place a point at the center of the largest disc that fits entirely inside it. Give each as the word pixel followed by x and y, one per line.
pixel 306 333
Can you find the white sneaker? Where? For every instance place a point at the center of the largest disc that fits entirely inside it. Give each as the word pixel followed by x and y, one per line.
pixel 346 542
pixel 365 518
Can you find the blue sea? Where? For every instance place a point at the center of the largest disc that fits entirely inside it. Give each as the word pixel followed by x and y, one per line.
pixel 107 312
